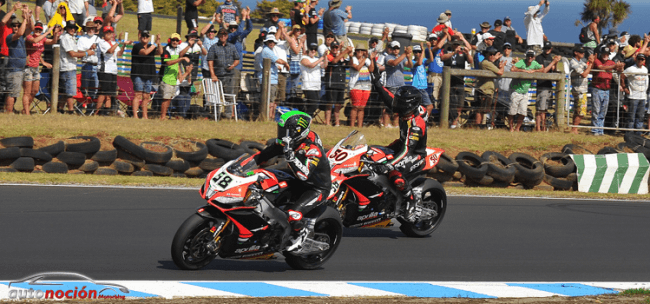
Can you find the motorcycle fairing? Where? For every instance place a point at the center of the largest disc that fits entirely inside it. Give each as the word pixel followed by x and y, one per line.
pixel 432 158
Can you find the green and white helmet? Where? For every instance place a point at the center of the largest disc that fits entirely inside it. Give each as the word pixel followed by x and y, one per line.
pixel 295 125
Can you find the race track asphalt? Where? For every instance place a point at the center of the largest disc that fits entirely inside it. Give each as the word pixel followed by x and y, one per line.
pixel 125 234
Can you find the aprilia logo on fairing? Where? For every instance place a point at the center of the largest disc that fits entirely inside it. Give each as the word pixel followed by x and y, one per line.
pixel 250 249
pixel 368 216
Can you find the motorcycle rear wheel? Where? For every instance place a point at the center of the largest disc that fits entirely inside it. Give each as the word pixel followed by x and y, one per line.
pixel 189 250
pixel 334 230
pixel 433 197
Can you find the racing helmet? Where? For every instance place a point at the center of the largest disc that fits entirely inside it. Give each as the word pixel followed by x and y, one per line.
pixel 406 101
pixel 295 125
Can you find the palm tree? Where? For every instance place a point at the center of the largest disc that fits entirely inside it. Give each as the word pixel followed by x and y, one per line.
pixel 611 12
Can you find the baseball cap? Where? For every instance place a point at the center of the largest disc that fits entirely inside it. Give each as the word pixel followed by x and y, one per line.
pixel 70 24
pixel 38 26
pixel 222 31
pixel 329 34
pixel 192 33
pixel 506 18
pixel 417 48
pixel 640 56
pixel 233 23
pixel 498 22
pixel 334 44
pixel 491 50
pixel 488 36
pixel 373 40
pixel 273 29
pixel 145 33
pixel 548 45
pixel 394 44
pixel 530 53
pixel 507 45
pixel 432 36
pixel 175 36
pixel 578 49
pixel 98 18
pixel 604 50
pixel 109 28
pixel 313 46
pixel 295 27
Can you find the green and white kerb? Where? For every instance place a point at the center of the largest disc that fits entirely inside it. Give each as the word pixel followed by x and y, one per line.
pixel 612 173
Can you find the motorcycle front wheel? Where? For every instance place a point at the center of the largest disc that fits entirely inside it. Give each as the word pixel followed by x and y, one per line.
pixel 433 197
pixel 327 228
pixel 189 250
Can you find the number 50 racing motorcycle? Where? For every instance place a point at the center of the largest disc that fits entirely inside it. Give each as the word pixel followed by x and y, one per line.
pixel 244 219
pixel 365 198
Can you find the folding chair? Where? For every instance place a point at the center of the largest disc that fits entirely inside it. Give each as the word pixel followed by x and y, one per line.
pixel 125 93
pixel 215 97
pixel 43 95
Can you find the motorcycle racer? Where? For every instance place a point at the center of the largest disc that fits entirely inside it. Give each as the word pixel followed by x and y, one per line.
pixel 410 147
pixel 303 151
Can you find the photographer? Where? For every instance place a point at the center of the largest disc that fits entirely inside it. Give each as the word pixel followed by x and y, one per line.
pixel 193 49
pixel 457 60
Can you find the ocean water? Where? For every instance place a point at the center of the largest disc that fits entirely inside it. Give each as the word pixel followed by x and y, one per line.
pixel 559 24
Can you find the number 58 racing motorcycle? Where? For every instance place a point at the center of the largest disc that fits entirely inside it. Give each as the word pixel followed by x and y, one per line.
pixel 365 198
pixel 244 219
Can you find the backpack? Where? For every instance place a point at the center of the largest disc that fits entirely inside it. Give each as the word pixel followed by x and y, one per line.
pixel 584 35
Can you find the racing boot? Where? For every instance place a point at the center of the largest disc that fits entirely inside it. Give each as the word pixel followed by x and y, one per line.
pixel 412 209
pixel 298 235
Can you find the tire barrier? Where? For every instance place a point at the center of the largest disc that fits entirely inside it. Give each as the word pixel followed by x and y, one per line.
pixel 157 157
pixel 89 146
pixel 199 152
pixel 18 142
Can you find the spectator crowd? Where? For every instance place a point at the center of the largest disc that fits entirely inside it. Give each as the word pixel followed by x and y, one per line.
pixel 315 76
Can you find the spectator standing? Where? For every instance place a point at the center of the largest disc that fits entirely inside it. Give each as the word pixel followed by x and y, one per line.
pixel 192 48
pixel 222 60
pixel 635 88
pixel 579 72
pixel 268 53
pixel 89 41
pixel 519 87
pixel 112 13
pixel 274 19
pixel 335 82
pixel 600 90
pixel 143 71
pixel 442 27
pixel 593 35
pixel 419 70
pixel 336 21
pixel 184 98
pixel 499 35
pixel 68 70
pixel 62 16
pixel 457 60
pixel 395 64
pixel 487 42
pixel 296 43
pixel 545 87
pixel 77 10
pixel 108 51
pixel 296 13
pixel 511 34
pixel 169 70
pixel 209 36
pixel 17 58
pixel 478 38
pixel 503 84
pixel 236 36
pixel 433 55
pixel 228 11
pixel 281 50
pixel 145 8
pixel 35 45
pixel 192 15
pixel 534 30
pixel 310 70
pixel 485 92
pixel 311 19
pixel 360 83
pixel 377 45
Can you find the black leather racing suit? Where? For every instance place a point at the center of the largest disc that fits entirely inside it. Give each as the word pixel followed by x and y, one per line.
pixel 311 168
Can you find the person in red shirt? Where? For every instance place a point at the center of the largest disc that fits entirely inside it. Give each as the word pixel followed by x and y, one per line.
pixel 35 45
pixel 600 90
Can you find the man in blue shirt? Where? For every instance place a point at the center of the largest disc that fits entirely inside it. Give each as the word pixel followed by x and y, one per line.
pixel 227 12
pixel 420 76
pixel 434 73
pixel 235 36
pixel 334 20
pixel 17 58
pixel 267 52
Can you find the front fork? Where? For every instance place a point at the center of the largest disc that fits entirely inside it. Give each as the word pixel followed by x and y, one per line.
pixel 216 231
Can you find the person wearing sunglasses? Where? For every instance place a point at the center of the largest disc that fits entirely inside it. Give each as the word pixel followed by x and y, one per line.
pixel 635 88
pixel 17 57
pixel 519 87
pixel 35 45
pixel 170 72
pixel 209 38
pixel 143 70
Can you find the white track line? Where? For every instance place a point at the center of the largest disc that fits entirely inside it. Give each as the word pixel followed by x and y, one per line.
pixel 336 289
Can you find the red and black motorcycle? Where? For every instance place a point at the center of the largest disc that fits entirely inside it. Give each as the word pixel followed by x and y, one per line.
pixel 244 219
pixel 365 198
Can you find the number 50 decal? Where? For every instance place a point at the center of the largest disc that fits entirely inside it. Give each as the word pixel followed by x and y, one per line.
pixel 339 155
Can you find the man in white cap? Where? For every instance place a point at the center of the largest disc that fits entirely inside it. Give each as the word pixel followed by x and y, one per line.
pixel 487 42
pixel 267 52
pixel 533 22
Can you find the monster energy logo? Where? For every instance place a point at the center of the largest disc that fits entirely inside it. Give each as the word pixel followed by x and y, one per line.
pixel 302 122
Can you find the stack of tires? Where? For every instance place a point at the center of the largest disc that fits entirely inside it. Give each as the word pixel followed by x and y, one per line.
pixel 365 29
pixel 419 32
pixel 377 30
pixel 636 143
pixel 559 170
pixel 354 28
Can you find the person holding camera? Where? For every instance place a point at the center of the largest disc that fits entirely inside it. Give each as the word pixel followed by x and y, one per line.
pixel 457 60
pixel 534 31
pixel 435 65
pixel 192 49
